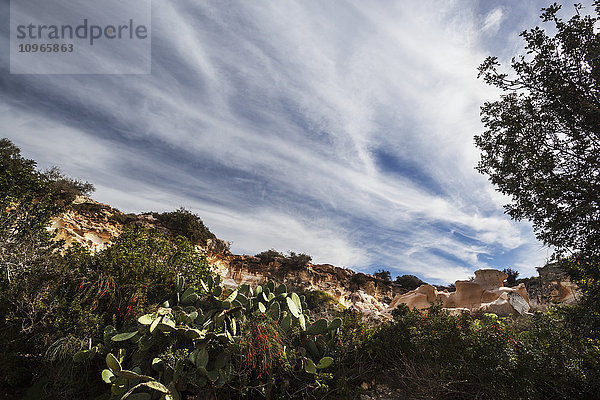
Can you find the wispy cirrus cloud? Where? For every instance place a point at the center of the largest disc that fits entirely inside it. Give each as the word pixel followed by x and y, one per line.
pixel 335 129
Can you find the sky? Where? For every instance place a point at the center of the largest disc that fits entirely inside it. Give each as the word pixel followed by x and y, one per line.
pixel 340 129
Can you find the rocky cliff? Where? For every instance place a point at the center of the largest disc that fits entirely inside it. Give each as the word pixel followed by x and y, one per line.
pixel 94 225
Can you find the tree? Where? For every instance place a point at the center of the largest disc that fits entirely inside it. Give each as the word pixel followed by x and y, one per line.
pixel 409 282
pixel 187 224
pixel 512 277
pixel 29 198
pixel 384 275
pixel 541 144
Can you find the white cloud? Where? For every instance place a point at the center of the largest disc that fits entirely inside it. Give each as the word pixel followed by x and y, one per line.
pixel 493 20
pixel 266 117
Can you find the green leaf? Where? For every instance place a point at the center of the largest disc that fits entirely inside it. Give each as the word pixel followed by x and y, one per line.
pixel 204 286
pixel 194 334
pixel 275 310
pixel 292 307
pixel 233 327
pixel 302 322
pixel 225 305
pixel 309 366
pixel 121 337
pixel 221 360
pixel 159 387
pixel 82 356
pixel 297 301
pixel 325 362
pixel 189 299
pixel 202 358
pixel 155 324
pixel 138 396
pixel 213 375
pixel 113 363
pixel 154 385
pixel 318 327
pixel 232 296
pixel 128 374
pixel 262 308
pixel 286 323
pixel 158 364
pixel 313 349
pixel 108 376
pixel 146 319
pixel 217 291
pixel 335 324
pixel 281 289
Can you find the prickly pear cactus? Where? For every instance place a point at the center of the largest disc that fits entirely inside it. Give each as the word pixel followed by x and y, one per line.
pixel 191 335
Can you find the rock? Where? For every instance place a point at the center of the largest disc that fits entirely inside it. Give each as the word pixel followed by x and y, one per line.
pixel 485 293
pixel 94 225
pixel 490 279
pixel 520 305
pixel 217 247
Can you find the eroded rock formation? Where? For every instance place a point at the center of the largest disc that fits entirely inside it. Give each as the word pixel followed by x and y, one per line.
pixel 485 293
pixel 94 225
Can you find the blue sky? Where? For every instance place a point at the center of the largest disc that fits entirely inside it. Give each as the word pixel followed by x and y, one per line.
pixel 341 129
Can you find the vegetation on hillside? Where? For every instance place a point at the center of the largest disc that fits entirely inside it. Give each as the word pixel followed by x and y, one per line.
pixel 146 319
pixel 294 261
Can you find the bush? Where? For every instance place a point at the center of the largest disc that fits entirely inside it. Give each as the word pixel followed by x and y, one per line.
pixel 75 295
pixel 512 277
pixel 322 302
pixel 269 256
pixel 187 224
pixel 297 261
pixel 438 355
pixel 384 275
pixel 409 282
pixel 294 261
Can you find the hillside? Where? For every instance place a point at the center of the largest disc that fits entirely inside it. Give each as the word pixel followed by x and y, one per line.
pixel 94 225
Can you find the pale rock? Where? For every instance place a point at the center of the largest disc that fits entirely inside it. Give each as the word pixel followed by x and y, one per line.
pixel 485 293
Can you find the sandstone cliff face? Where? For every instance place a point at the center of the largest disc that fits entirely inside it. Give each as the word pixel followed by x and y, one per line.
pixel 93 231
pixel 94 225
pixel 353 290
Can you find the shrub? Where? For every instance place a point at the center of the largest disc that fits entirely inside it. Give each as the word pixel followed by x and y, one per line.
pixel 187 224
pixel 512 277
pixel 269 256
pixel 297 261
pixel 322 302
pixel 384 275
pixel 409 282
pixel 435 354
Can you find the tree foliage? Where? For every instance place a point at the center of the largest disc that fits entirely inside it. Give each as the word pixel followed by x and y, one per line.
pixel 384 275
pixel 541 144
pixel 512 276
pixel 409 282
pixel 184 223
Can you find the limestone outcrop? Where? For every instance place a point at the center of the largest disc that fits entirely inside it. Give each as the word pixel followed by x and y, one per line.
pixel 353 290
pixel 94 225
pixel 485 293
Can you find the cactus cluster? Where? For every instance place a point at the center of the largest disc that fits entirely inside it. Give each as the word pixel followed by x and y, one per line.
pixel 204 323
